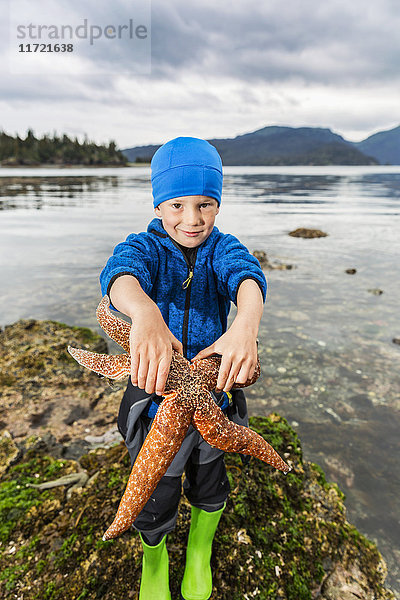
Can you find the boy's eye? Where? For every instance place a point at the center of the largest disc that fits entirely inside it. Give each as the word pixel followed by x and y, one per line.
pixel 179 205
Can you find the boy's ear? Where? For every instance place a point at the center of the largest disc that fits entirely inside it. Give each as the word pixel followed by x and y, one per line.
pixel 157 210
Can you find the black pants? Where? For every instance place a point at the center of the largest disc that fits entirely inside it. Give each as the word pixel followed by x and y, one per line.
pixel 206 484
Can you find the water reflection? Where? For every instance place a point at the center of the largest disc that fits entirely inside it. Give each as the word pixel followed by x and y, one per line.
pixel 385 184
pixel 40 191
pixel 277 188
pixel 254 187
pixel 37 192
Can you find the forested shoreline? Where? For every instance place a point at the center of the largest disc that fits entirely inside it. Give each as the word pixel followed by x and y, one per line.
pixel 56 150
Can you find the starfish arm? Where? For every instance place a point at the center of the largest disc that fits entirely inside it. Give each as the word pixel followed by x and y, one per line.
pixel 252 379
pixel 117 329
pixel 180 367
pixel 114 367
pixel 119 366
pixel 220 432
pixel 209 367
pixel 158 451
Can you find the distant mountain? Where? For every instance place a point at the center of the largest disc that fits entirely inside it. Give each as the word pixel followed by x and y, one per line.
pixel 384 146
pixel 275 145
pixel 140 153
pixel 289 146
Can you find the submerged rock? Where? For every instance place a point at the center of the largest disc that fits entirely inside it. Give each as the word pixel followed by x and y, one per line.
pixel 280 537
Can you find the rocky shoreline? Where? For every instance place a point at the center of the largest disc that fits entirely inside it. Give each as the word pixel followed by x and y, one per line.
pixel 283 538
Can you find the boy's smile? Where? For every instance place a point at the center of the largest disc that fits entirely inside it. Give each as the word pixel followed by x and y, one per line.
pixel 189 220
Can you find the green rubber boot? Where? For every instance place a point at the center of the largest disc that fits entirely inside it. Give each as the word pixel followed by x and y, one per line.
pixel 197 578
pixel 155 578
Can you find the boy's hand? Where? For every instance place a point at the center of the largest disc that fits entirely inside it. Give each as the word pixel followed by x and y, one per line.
pixel 151 344
pixel 238 347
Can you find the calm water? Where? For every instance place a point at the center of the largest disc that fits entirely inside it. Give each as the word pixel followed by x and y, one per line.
pixel 328 361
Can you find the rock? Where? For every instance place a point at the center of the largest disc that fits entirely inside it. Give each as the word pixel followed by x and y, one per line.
pixel 106 440
pixel 361 401
pixel 288 535
pixel 9 452
pixel 303 232
pixel 75 449
pixel 351 271
pixel 345 410
pixel 261 256
pixel 266 264
pixel 347 583
pixel 333 414
pixel 340 470
pixel 396 340
pixel 45 443
pixel 43 389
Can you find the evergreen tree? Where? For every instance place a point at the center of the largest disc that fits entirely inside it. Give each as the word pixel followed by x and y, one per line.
pixel 56 150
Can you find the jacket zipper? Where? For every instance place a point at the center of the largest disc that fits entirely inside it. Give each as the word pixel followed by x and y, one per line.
pixel 186 286
pixel 187 281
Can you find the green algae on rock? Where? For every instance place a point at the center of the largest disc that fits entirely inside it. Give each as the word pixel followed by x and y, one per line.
pixel 280 538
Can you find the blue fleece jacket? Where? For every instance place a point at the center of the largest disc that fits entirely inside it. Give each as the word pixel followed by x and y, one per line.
pixel 195 307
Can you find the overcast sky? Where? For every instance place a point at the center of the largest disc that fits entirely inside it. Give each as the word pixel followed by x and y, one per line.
pixel 218 69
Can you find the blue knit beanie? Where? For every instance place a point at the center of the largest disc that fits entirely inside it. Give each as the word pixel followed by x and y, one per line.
pixel 186 166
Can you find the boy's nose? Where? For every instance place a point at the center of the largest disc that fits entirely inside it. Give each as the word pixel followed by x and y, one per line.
pixel 194 217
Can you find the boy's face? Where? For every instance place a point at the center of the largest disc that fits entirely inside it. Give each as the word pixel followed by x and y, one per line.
pixel 189 220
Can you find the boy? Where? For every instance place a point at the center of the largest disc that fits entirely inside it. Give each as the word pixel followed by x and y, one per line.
pixel 176 281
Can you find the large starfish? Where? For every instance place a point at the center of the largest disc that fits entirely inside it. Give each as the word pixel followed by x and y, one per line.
pixel 187 400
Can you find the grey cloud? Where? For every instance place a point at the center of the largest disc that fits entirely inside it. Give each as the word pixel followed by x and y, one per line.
pixel 314 41
pixel 310 41
pixel 20 89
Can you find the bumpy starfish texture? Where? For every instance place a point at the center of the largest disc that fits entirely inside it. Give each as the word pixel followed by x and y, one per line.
pixel 187 400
